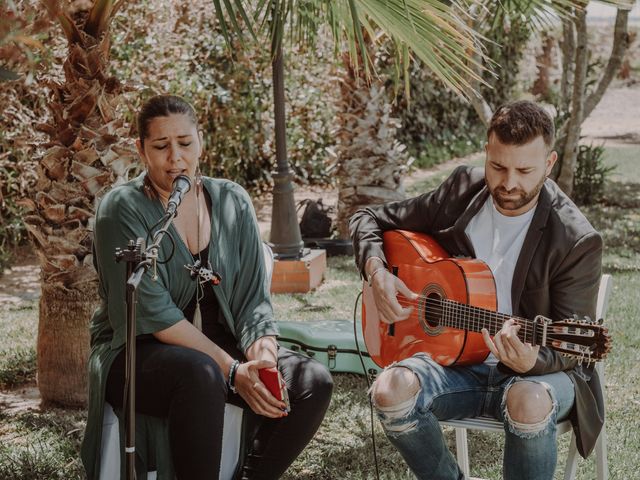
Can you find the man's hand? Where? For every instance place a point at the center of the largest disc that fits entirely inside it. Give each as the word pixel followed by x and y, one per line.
pixel 507 347
pixel 386 288
pixel 254 392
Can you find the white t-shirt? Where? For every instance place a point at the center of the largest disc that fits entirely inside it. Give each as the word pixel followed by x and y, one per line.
pixel 497 240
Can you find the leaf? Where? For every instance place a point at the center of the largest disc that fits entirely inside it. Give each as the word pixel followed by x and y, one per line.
pixel 94 184
pixel 29 41
pixel 81 214
pixel 99 18
pixel 84 172
pixel 55 162
pixel 7 75
pixel 55 213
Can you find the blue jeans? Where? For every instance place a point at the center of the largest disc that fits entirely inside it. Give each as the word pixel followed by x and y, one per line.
pixel 469 391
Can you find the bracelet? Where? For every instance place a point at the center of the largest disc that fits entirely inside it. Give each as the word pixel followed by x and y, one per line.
pixel 231 382
pixel 370 280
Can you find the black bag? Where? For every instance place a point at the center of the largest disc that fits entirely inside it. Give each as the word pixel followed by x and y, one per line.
pixel 315 221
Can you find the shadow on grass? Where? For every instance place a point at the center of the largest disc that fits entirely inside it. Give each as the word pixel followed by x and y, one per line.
pixel 617 217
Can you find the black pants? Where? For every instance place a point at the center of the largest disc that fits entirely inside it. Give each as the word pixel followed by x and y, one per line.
pixel 188 387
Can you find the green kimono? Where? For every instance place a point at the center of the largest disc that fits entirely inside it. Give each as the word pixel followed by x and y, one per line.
pixel 235 251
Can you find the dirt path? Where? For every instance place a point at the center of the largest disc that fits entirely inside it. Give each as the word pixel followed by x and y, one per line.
pixel 617 117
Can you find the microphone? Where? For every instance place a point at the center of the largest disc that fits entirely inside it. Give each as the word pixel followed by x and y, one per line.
pixel 181 185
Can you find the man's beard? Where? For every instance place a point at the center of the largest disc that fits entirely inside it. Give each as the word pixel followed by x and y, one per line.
pixel 520 201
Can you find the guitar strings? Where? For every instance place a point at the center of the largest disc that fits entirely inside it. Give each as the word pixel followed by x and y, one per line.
pixel 438 307
pixel 444 308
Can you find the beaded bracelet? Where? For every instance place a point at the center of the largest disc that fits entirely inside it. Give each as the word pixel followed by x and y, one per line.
pixel 231 382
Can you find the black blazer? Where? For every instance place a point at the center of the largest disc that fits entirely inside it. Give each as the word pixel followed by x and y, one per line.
pixel 557 273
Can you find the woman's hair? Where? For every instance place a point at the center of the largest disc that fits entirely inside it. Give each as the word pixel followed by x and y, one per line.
pixel 162 106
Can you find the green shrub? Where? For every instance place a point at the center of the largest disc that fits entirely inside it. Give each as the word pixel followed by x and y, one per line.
pixel 231 91
pixel 590 175
pixel 12 187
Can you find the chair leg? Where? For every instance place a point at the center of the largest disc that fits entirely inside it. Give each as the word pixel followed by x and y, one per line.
pixel 462 451
pixel 572 460
pixel 602 467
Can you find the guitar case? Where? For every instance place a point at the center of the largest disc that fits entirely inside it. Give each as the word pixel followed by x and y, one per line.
pixel 331 342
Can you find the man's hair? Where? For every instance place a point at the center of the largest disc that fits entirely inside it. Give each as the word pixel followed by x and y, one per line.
pixel 518 123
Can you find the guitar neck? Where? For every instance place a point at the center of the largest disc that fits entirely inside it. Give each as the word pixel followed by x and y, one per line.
pixel 467 317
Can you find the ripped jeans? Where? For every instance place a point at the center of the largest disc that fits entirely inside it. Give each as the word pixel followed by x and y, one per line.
pixel 468 391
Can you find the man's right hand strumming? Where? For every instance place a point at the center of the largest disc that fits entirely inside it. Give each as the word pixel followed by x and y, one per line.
pixel 386 287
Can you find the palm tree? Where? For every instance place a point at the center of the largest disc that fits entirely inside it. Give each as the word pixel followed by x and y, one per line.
pixel 575 101
pixel 372 164
pixel 89 151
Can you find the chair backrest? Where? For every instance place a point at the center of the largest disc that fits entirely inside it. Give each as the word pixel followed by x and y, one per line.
pixel 268 263
pixel 602 305
pixel 604 293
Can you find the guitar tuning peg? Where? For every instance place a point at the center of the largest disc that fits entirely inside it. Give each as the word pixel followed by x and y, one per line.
pixel 587 319
pixel 600 321
pixel 575 316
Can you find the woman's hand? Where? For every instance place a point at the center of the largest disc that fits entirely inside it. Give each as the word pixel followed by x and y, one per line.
pixel 254 392
pixel 264 348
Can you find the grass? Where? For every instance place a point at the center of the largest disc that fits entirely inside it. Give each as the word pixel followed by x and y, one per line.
pixel 19 327
pixel 44 445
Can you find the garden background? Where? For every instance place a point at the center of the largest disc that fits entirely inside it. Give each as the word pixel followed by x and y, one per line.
pixel 157 46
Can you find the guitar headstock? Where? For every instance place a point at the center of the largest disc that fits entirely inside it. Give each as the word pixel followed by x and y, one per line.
pixel 585 339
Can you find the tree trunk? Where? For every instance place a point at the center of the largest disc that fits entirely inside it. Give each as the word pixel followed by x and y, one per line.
pixel 565 179
pixel 371 162
pixel 544 63
pixel 88 152
pixel 63 343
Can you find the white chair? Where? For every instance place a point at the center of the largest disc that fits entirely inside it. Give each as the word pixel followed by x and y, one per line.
pixel 231 432
pixel 492 425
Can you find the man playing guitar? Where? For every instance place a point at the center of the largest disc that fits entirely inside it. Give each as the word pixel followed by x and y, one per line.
pixel 545 258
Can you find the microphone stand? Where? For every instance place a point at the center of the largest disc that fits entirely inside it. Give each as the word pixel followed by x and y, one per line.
pixel 138 260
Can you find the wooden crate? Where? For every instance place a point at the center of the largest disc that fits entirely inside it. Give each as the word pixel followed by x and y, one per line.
pixel 299 276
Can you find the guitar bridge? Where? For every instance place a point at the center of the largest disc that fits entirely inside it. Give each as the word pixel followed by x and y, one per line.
pixel 540 325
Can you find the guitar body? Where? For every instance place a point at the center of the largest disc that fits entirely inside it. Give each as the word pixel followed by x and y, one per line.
pixel 427 269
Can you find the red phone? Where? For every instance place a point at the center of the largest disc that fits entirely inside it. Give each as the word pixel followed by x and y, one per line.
pixel 273 381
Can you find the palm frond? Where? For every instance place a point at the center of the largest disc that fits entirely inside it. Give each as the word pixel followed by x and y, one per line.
pixel 66 22
pixel 227 13
pixel 541 14
pixel 435 34
pixel 99 17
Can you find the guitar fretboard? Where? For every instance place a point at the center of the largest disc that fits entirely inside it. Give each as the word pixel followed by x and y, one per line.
pixel 450 313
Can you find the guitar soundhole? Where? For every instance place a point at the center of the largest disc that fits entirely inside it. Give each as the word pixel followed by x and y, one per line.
pixel 433 312
pixel 430 309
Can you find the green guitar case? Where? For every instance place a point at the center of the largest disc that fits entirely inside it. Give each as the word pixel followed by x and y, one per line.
pixel 331 342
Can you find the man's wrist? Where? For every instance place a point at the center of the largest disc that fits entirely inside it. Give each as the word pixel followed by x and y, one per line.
pixel 373 263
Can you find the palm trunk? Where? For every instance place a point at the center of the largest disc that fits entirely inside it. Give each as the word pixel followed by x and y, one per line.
pixel 371 162
pixel 63 344
pixel 86 155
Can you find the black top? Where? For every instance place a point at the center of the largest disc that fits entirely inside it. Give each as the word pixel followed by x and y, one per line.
pixel 213 324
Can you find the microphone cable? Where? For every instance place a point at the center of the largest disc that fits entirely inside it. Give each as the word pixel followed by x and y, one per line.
pixel 366 376
pixel 168 234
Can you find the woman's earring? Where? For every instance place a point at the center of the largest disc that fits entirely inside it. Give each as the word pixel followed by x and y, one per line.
pixel 198 177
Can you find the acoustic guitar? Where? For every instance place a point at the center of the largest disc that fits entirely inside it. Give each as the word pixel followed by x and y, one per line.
pixel 456 300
